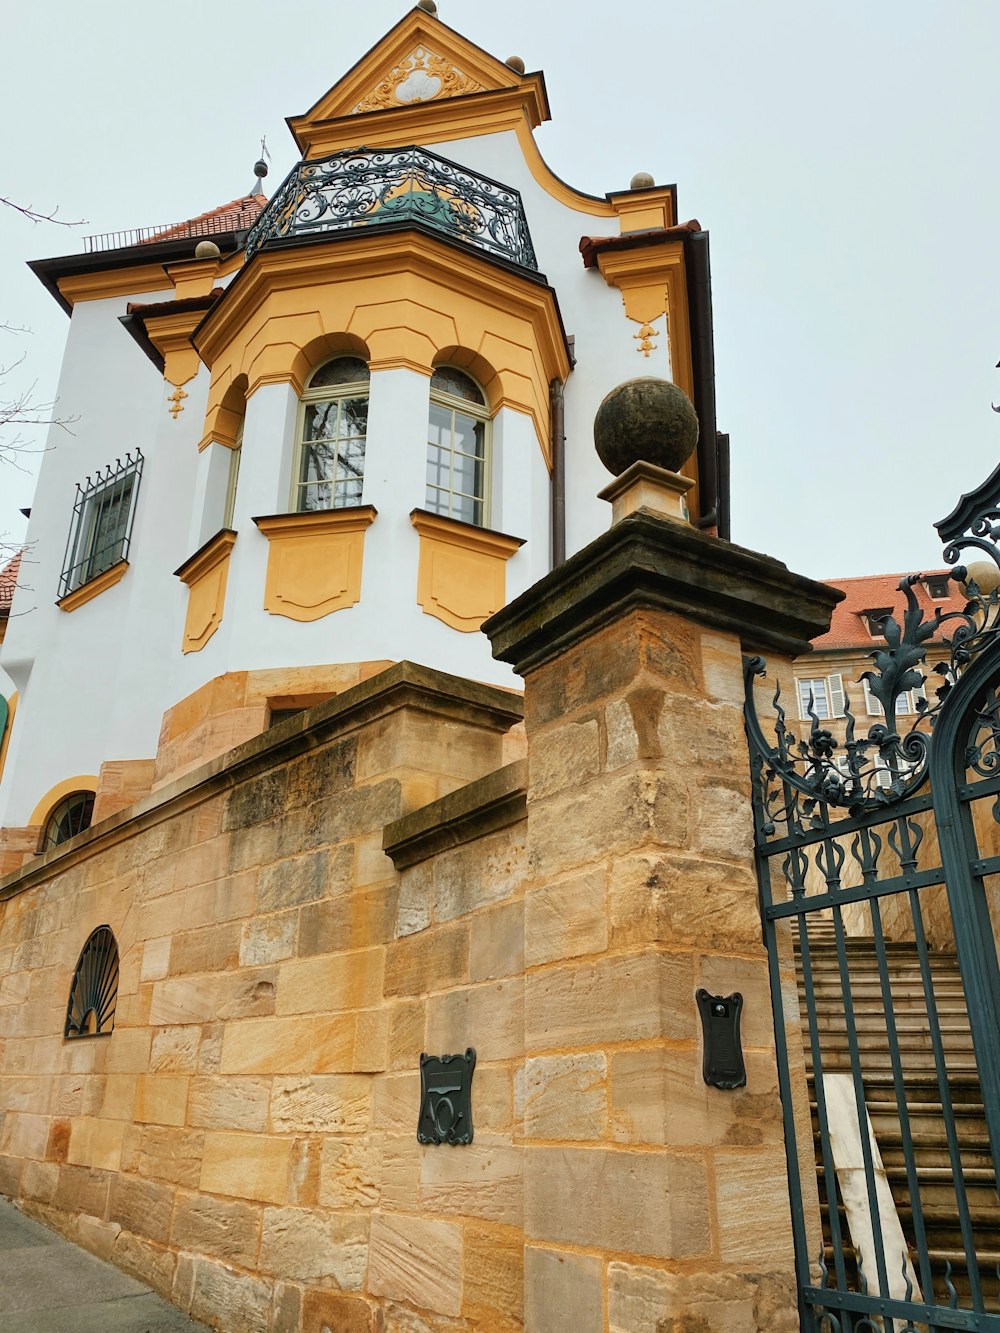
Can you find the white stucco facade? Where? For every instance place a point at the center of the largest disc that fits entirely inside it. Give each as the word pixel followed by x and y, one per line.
pixel 95 682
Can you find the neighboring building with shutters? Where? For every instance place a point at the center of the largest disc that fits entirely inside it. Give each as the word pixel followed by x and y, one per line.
pixel 322 434
pixel 830 679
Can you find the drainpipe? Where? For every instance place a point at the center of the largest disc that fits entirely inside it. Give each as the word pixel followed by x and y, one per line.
pixel 714 500
pixel 557 421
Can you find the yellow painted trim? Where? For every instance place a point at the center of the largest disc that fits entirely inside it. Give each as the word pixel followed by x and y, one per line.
pixel 459 118
pixel 462 573
pixel 315 560
pixel 88 591
pixel 644 210
pixel 44 808
pixel 653 282
pixel 193 277
pixel 416 28
pixel 171 336
pixel 206 575
pixel 5 738
pixel 430 122
pixel 120 282
pixel 551 183
pixel 407 296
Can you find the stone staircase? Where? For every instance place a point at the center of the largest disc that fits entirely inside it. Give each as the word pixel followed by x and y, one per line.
pixel 934 1170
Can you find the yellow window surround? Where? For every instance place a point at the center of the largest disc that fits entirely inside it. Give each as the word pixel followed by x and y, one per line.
pixel 315 560
pixel 94 587
pixel 462 574
pixel 205 574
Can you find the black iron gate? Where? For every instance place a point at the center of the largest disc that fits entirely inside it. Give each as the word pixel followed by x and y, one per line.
pixel 878 855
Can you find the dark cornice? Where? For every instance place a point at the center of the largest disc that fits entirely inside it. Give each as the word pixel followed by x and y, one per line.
pixel 647 562
pixel 49 271
pixel 134 323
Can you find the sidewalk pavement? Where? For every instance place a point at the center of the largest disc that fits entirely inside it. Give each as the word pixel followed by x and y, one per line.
pixel 49 1285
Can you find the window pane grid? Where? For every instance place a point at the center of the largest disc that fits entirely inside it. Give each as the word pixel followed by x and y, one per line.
pixel 332 453
pixel 102 523
pixel 456 463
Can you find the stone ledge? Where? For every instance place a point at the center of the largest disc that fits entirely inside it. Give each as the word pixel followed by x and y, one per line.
pixel 484 806
pixel 646 562
pixel 404 685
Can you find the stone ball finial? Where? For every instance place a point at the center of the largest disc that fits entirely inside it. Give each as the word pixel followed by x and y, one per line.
pixel 207 250
pixel 515 63
pixel 985 574
pixel 642 180
pixel 645 420
pixel 428 6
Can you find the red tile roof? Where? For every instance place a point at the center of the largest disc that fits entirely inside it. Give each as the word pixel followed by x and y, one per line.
pixel 592 246
pixel 8 582
pixel 237 215
pixel 848 627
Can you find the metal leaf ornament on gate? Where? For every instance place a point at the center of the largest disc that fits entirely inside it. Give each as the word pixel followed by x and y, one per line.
pixel 875 768
pixel 878 859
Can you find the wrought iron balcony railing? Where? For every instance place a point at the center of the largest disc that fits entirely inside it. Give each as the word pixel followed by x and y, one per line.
pixel 371 187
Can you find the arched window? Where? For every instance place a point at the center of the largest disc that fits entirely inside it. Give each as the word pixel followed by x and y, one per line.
pixel 458 448
pixel 333 425
pixel 94 992
pixel 71 816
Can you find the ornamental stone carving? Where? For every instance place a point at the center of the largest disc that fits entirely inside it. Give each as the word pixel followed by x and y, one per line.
pixel 421 77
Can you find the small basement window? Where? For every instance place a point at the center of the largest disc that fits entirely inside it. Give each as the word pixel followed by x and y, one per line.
pixel 94 990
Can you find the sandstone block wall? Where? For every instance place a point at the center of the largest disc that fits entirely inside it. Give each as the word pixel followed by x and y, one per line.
pixel 246 1138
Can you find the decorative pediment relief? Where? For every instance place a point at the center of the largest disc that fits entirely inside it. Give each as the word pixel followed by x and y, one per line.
pixel 422 76
pixel 420 62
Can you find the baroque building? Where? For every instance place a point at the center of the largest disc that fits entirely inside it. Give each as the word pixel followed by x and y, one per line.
pixel 336 429
pixel 374 935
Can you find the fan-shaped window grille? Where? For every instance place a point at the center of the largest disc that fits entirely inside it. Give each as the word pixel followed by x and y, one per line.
pixel 69 818
pixel 91 1010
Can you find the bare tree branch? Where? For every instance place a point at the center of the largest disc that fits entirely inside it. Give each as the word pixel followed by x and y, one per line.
pixel 36 215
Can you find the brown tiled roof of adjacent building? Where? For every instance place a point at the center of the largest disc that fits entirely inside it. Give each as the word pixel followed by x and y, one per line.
pixel 237 215
pixel 873 592
pixel 592 246
pixel 8 582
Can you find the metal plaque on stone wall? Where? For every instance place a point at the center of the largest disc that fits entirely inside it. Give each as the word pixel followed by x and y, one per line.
pixel 446 1098
pixel 722 1066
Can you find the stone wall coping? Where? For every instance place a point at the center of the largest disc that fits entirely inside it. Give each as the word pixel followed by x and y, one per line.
pixel 648 562
pixel 490 803
pixel 404 685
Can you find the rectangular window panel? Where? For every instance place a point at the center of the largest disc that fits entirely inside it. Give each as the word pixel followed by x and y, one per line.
pixel 820 703
pixel 332 468
pixel 100 533
pixel 456 465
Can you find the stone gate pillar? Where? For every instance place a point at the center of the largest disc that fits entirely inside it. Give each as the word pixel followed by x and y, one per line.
pixel 652 1201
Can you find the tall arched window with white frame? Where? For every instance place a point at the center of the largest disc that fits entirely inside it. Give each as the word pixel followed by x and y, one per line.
pixel 458 448
pixel 333 428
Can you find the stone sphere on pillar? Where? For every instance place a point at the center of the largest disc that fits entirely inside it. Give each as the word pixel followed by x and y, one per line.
pixel 985 574
pixel 645 420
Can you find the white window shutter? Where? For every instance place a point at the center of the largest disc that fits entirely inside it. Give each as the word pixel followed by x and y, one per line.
pixel 836 682
pixel 871 703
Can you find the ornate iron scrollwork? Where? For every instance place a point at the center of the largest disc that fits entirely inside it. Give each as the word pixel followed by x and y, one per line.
pixel 94 991
pixel 371 187
pixel 876 768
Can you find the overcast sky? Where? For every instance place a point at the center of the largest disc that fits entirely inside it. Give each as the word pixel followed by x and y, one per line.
pixel 843 158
